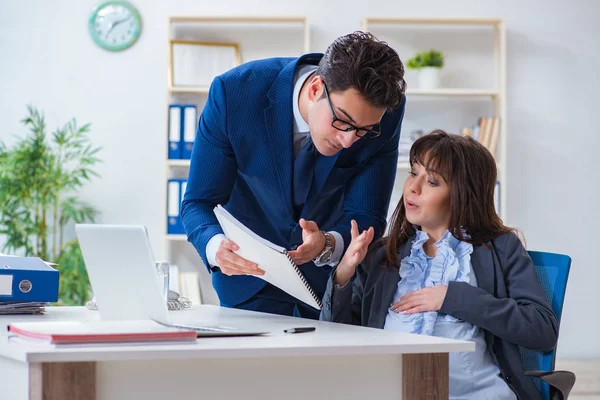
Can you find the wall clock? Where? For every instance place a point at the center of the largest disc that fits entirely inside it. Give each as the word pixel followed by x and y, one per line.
pixel 115 25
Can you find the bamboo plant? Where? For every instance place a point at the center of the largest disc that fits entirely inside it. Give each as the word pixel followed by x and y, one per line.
pixel 40 176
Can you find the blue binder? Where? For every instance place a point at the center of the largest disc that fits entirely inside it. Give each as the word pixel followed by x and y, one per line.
pixel 175 192
pixel 190 125
pixel 175 131
pixel 27 279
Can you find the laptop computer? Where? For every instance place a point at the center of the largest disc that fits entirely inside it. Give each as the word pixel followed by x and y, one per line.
pixel 126 285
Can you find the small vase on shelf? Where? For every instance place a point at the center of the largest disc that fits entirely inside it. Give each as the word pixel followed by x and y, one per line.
pixel 429 77
pixel 429 64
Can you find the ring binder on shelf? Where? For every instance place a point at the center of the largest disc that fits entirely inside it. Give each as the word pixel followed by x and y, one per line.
pixel 175 192
pixel 175 129
pixel 280 269
pixel 190 123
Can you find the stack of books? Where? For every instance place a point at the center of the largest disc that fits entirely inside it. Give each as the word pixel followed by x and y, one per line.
pixel 486 132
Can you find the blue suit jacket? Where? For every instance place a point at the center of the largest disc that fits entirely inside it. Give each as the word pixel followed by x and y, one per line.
pixel 242 158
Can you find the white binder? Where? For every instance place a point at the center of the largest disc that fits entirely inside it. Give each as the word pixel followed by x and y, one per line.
pixel 174 132
pixel 189 130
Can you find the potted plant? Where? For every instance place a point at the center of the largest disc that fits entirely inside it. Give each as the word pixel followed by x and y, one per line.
pixel 39 178
pixel 429 63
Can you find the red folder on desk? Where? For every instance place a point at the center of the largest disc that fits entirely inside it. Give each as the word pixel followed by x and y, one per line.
pixel 71 332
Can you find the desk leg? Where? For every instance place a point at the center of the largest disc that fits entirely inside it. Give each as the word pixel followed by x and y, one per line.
pixel 425 376
pixel 59 381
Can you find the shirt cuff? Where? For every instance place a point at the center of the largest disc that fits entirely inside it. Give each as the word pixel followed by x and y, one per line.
pixel 339 249
pixel 211 248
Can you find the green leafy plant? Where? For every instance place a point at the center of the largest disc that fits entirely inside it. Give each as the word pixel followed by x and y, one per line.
pixel 39 178
pixel 430 58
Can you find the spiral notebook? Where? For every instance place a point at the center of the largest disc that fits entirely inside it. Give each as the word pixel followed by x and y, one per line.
pixel 280 269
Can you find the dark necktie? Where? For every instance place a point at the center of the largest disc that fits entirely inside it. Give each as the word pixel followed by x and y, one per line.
pixel 304 167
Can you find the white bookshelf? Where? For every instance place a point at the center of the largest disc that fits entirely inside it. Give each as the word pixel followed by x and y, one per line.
pixel 475 50
pixel 453 92
pixel 429 21
pixel 201 90
pixel 258 37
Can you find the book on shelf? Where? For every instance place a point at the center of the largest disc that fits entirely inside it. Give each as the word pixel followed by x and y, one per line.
pixel 492 144
pixel 466 132
pixel 486 132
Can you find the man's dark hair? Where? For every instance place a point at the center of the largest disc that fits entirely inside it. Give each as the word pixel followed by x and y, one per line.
pixel 361 61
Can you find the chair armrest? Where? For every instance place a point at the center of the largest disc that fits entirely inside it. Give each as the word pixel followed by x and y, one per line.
pixel 561 381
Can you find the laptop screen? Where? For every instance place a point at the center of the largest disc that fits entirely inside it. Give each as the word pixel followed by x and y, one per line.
pixel 122 271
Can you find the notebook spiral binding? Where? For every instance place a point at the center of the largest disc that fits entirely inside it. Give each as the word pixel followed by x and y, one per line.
pixel 301 275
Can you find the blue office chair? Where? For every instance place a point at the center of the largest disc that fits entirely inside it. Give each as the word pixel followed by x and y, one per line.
pixel 553 272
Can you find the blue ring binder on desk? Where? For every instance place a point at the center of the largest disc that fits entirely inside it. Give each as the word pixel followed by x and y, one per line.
pixel 27 279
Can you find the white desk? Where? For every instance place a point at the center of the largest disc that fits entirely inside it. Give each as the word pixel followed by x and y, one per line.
pixel 334 362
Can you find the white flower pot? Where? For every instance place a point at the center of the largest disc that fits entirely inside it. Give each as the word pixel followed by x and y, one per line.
pixel 429 77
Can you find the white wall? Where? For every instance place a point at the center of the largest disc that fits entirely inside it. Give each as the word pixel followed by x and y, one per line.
pixel 48 59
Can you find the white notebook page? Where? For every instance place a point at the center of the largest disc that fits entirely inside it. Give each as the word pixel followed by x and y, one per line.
pixel 279 270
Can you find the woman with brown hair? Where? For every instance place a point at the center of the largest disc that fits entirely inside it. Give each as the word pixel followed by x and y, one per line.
pixel 450 268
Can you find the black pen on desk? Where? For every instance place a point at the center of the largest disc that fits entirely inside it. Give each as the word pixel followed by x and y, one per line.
pixel 300 330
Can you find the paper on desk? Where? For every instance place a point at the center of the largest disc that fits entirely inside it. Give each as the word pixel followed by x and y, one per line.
pixel 10 255
pixel 13 304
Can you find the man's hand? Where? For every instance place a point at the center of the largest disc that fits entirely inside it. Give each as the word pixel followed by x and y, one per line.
pixel 313 243
pixel 427 299
pixel 232 264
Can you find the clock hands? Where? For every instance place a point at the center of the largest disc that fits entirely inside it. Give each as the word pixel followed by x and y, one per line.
pixel 115 23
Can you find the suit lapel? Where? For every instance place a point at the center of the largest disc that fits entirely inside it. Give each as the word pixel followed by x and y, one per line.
pixel 279 122
pixel 389 284
pixel 279 127
pixel 390 278
pixel 482 262
pixel 483 266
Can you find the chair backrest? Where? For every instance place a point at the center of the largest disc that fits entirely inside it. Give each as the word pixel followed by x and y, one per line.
pixel 553 273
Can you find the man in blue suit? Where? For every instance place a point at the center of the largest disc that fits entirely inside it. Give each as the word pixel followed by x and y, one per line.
pixel 295 148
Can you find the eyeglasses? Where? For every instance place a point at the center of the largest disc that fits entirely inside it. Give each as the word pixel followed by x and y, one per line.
pixel 341 125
